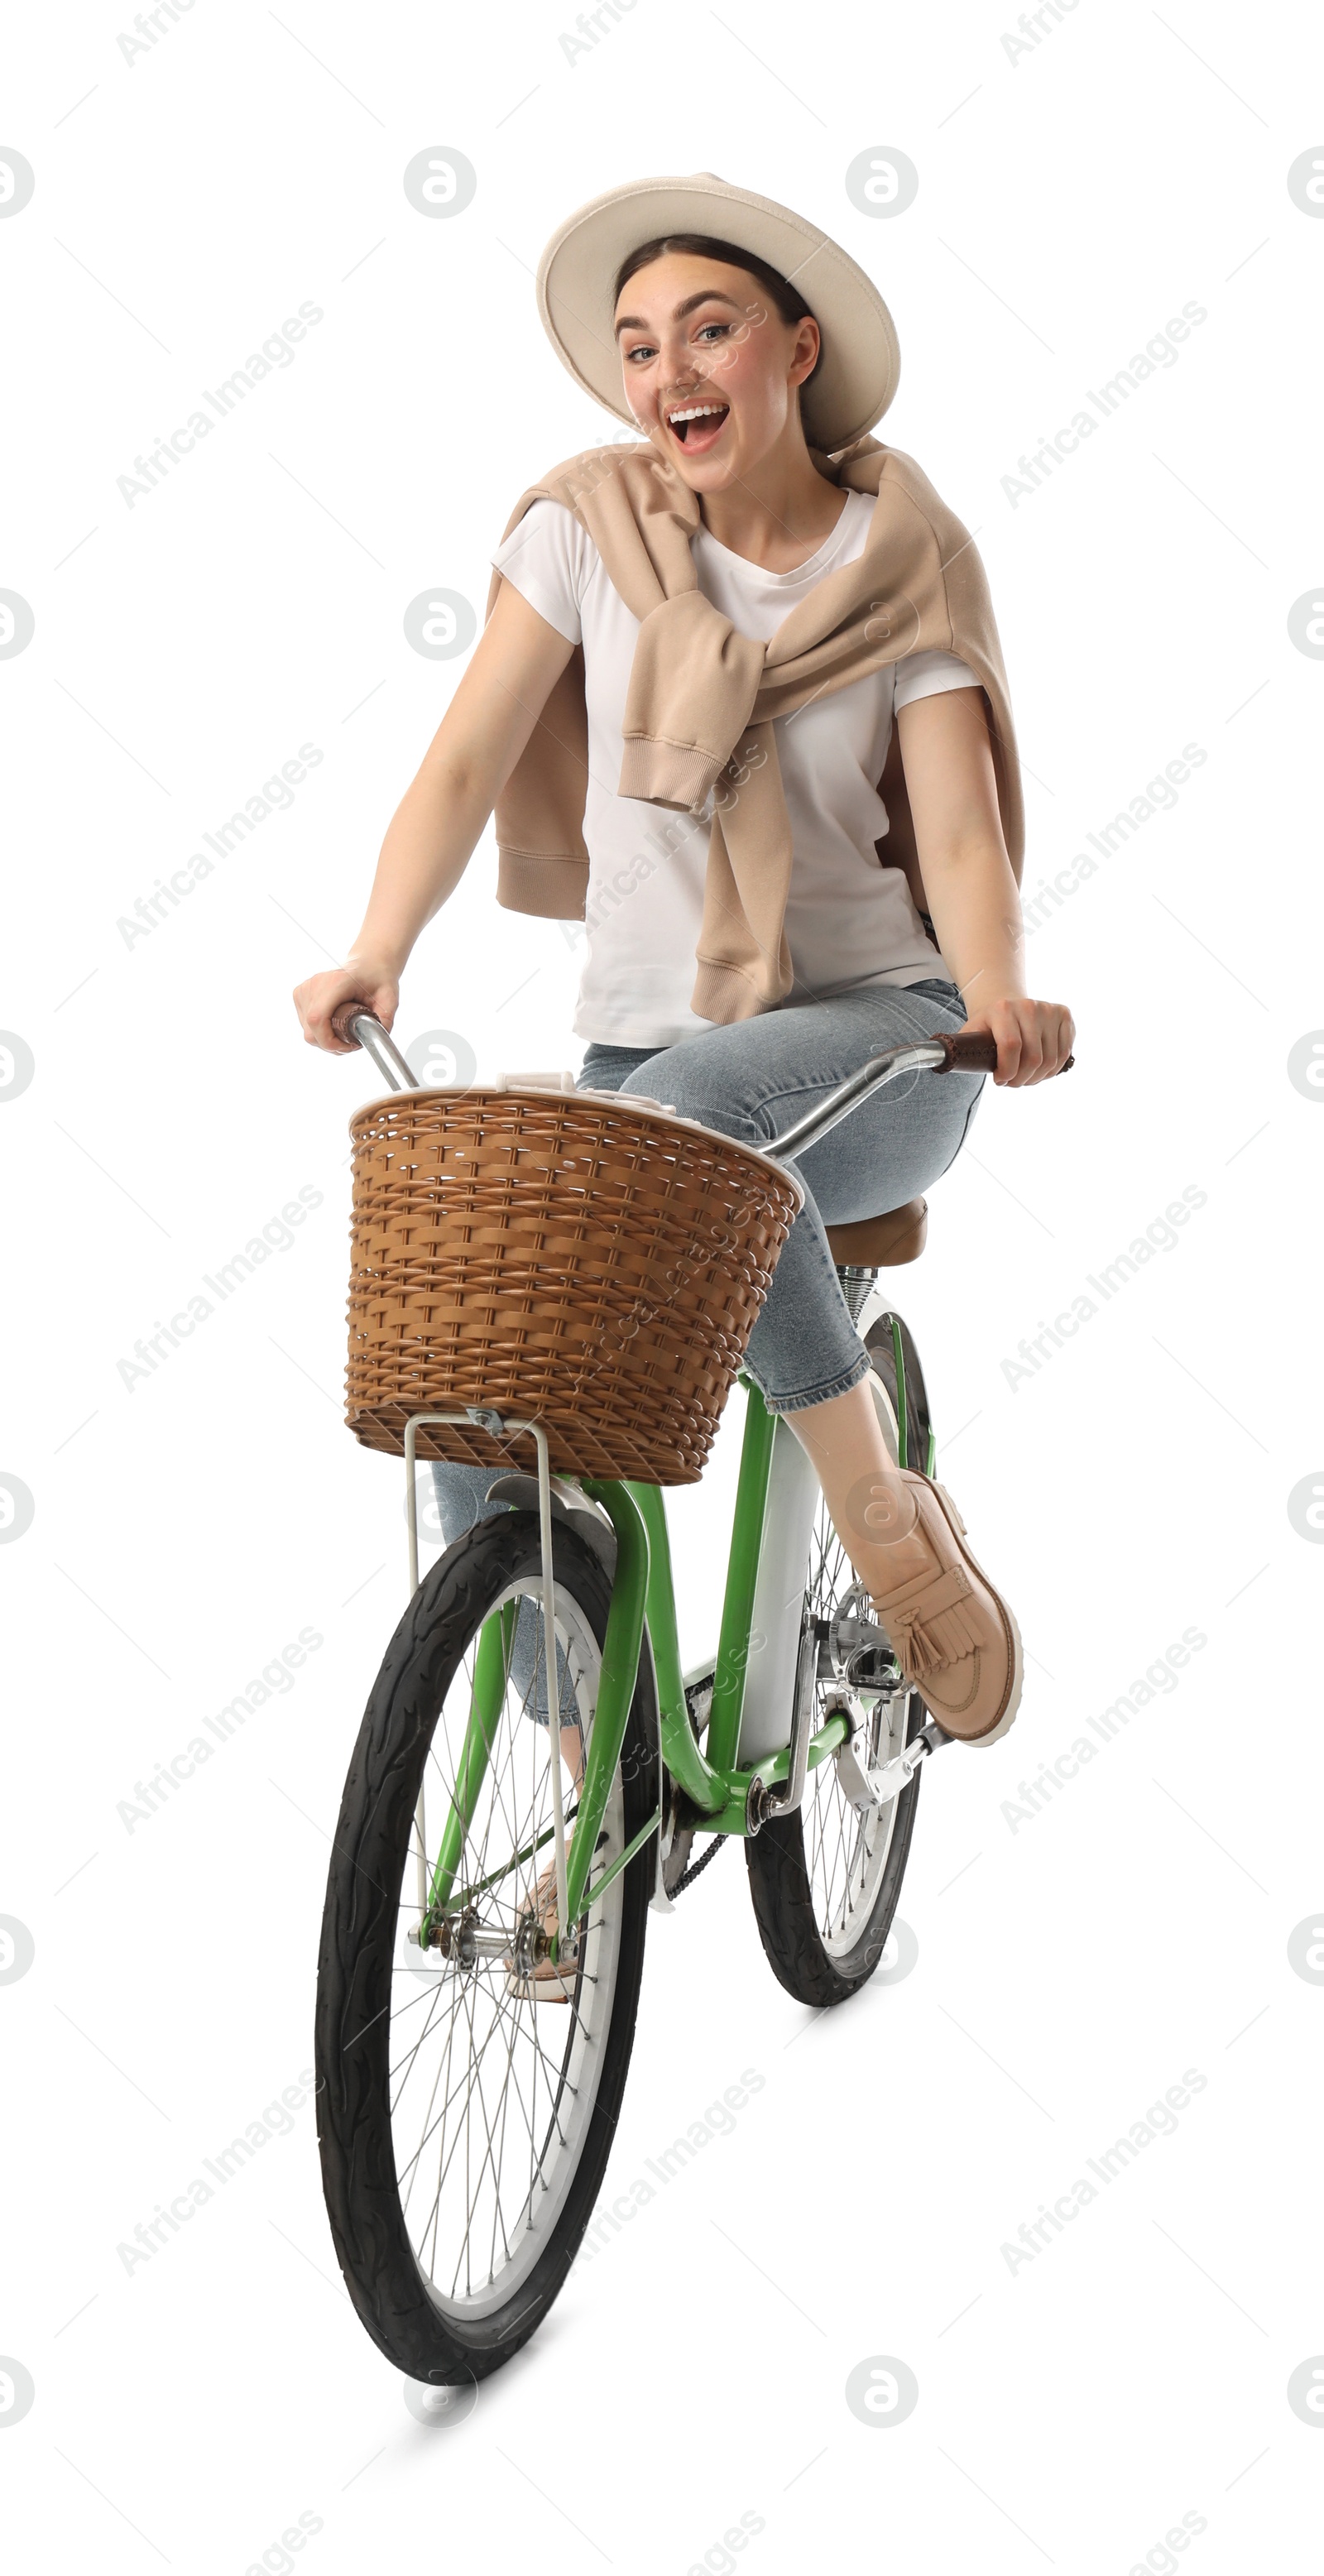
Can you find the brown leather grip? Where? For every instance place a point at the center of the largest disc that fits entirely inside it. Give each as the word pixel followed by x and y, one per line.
pixel 975 1052
pixel 342 1018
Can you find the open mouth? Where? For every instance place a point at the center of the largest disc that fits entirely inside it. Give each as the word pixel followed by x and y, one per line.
pixel 698 425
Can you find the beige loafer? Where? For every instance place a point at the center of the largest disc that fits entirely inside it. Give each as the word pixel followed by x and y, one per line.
pixel 952 1633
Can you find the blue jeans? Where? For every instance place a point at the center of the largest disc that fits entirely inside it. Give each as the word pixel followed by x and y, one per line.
pixel 750 1081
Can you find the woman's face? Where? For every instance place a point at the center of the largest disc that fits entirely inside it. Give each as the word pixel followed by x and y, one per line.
pixel 697 337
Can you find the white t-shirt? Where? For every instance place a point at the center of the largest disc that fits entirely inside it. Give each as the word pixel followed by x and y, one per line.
pixel 849 922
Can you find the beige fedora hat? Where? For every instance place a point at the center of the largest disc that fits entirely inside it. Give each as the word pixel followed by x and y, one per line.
pixel 860 364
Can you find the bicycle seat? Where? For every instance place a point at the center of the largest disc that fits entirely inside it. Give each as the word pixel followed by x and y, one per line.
pixel 881 1242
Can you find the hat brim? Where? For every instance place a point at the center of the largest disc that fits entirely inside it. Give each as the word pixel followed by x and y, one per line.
pixel 860 364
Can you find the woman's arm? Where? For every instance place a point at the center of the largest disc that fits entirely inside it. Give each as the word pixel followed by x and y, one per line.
pixel 441 816
pixel 972 893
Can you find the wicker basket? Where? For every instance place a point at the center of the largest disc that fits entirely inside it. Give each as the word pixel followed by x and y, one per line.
pixel 597 1264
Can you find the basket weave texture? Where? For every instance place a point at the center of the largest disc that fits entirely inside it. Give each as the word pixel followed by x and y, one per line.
pixel 597 1267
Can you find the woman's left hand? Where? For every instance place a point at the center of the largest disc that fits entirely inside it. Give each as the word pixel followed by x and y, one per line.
pixel 1034 1039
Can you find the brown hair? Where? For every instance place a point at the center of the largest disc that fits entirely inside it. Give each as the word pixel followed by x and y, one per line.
pixel 788 300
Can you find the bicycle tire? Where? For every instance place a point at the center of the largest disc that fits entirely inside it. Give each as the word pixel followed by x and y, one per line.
pixel 400 2305
pixel 785 1876
pixel 787 1913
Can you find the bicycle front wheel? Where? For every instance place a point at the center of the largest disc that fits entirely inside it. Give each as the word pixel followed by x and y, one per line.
pixel 465 2119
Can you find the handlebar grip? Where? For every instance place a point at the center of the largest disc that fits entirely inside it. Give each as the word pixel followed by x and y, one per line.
pixel 975 1052
pixel 343 1018
pixel 968 1054
pixel 355 1025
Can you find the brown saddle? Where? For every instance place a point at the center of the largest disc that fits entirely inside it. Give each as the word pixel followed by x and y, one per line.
pixel 881 1242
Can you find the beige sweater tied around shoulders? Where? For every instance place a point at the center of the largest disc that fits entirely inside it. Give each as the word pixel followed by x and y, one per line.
pixel 702 699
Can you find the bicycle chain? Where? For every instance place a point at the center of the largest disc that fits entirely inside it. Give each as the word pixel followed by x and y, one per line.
pixel 688 1876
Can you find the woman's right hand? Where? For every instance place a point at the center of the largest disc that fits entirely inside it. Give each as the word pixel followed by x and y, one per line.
pixel 360 980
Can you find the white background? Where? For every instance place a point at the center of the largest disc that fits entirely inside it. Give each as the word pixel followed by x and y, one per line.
pixel 1070 1968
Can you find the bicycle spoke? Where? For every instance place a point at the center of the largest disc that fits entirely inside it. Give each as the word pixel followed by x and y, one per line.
pixel 844 1851
pixel 461 2084
pixel 445 2164
pixel 470 2186
pixel 496 2197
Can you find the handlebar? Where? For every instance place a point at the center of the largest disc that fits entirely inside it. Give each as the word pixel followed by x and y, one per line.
pixel 975 1052
pixel 355 1026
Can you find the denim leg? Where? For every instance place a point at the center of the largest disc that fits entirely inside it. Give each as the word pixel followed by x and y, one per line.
pixel 461 1498
pixel 461 1502
pixel 750 1080
pixel 605 1068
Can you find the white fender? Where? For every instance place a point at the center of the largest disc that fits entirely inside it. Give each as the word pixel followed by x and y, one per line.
pixel 779 1589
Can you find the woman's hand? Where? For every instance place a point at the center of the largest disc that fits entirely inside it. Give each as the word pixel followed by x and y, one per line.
pixel 1034 1038
pixel 359 980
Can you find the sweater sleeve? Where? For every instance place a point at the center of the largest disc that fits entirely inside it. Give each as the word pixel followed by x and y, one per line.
pixel 547 559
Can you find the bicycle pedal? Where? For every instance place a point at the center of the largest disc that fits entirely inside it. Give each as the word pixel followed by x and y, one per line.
pixel 869 1788
pixel 866 1788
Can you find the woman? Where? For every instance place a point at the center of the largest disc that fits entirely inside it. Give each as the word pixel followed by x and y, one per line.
pixel 704 655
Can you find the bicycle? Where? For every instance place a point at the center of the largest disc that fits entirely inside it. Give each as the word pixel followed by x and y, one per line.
pixel 466 2108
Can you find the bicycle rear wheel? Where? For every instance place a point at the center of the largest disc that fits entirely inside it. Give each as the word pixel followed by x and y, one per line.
pixel 464 2127
pixel 891 1347
pixel 825 1881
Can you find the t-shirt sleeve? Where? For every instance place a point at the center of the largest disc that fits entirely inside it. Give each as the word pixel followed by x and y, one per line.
pixel 548 558
pixel 926 675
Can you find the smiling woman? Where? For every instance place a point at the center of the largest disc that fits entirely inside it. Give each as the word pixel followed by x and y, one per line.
pixel 768 625
pixel 699 423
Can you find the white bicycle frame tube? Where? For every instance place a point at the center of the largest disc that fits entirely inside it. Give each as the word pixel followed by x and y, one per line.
pixel 789 1512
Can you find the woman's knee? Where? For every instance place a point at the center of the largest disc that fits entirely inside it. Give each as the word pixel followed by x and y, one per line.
pixel 660 1077
pixel 696 1085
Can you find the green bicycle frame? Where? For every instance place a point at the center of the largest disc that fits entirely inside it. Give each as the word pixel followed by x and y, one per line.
pixel 643 1598
pixel 643 1604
